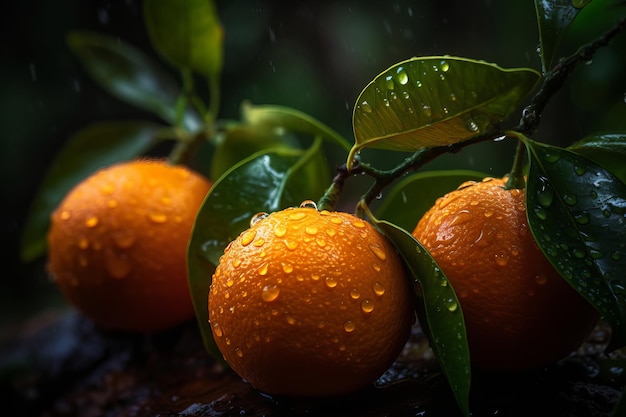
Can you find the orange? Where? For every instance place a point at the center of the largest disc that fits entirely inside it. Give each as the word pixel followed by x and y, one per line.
pixel 310 303
pixel 519 312
pixel 117 244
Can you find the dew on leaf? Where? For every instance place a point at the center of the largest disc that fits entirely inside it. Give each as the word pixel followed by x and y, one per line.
pixel 389 82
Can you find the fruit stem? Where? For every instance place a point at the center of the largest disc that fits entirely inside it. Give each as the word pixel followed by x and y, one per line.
pixel 331 195
pixel 516 175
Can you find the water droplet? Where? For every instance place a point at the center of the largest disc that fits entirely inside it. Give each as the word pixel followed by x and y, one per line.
pixel 444 66
pixel 83 243
pixel 541 279
pixel 389 82
pixel 545 194
pixel 365 106
pixel 442 78
pixel 248 237
pixel 570 199
pixel 263 269
pixel 579 170
pixel 297 216
pixel 270 293
pixel 379 289
pixel 452 305
pixel 257 218
pixel 349 326
pixel 379 252
pixel 65 215
pixel 427 110
pixel 616 256
pixel 287 268
pixel 217 330
pixel 541 213
pixel 92 222
pixel 358 223
pixel 291 320
pixel 376 267
pixel 230 282
pixel 471 125
pixel 355 294
pixel 551 157
pixel 311 230
pixel 331 282
pixel 402 76
pixel 259 242
pixel 123 239
pixel 290 244
pixel 336 220
pixel 502 259
pixel 320 242
pixel 367 306
pixel 157 218
pixel 582 218
pixel 308 204
pixel 280 230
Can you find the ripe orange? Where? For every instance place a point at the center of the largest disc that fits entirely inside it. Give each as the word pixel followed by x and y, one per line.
pixel 519 312
pixel 310 303
pixel 117 244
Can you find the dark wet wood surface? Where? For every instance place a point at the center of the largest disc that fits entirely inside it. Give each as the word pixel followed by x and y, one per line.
pixel 61 365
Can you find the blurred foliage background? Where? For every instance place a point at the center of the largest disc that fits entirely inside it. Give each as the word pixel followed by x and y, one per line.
pixel 312 56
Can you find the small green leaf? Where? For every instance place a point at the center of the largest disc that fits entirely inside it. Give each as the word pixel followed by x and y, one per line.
pixel 436 101
pixel 407 202
pixel 86 151
pixel 577 214
pixel 265 182
pixel 608 150
pixel 441 316
pixel 187 33
pixel 128 74
pixel 554 18
pixel 285 118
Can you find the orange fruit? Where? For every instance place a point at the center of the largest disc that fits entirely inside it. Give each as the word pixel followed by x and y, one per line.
pixel 519 312
pixel 310 303
pixel 117 244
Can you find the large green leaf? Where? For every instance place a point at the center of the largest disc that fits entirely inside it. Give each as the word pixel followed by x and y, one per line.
pixel 608 150
pixel 128 74
pixel 187 33
pixel 554 18
pixel 284 118
pixel 86 151
pixel 439 309
pixel 407 202
pixel 577 214
pixel 265 182
pixel 436 101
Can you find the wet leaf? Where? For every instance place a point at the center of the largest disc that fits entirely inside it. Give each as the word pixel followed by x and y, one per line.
pixel 608 150
pixel 91 148
pixel 265 182
pixel 439 311
pixel 407 202
pixel 128 74
pixel 577 214
pixel 554 18
pixel 436 101
pixel 186 33
pixel 285 118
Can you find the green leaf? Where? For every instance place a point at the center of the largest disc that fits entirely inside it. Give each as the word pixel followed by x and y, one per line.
pixel 441 316
pixel 265 182
pixel 608 150
pixel 407 202
pixel 285 118
pixel 577 214
pixel 128 74
pixel 554 18
pixel 187 33
pixel 436 101
pixel 86 151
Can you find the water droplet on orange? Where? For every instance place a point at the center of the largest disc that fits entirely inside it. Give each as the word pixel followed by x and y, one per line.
pixel 336 220
pixel 259 242
pixel 257 218
pixel 270 293
pixel 92 222
pixel 297 216
pixel 331 282
pixel 291 320
pixel 358 223
pixel 230 282
pixel 238 352
pixel 541 279
pixel 123 239
pixel 367 306
pixel 320 242
pixel 379 252
pixel 355 294
pixel 376 267
pixel 236 263
pixel 378 288
pixel 502 259
pixel 287 268
pixel 280 230
pixel 291 244
pixel 157 218
pixel 65 215
pixel 248 237
pixel 83 243
pixel 349 326
pixel 315 277
pixel 263 269
pixel 311 230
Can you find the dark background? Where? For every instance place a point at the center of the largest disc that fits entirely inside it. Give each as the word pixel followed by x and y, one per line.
pixel 313 56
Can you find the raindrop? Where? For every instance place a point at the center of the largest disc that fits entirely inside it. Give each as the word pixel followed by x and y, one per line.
pixel 402 76
pixel 290 244
pixel 311 230
pixel 502 259
pixel 365 106
pixel 248 237
pixel 452 306
pixel 545 194
pixel 541 279
pixel 551 158
pixel 349 326
pixel 157 218
pixel 91 222
pixel 259 242
pixel 257 218
pixel 444 66
pixel 270 293
pixel 308 204
pixel 579 170
pixel 379 252
pixel 297 216
pixel 570 199
pixel 389 82
pixel 427 110
pixel 263 269
pixel 217 330
pixel 331 282
pixel 287 268
pixel 367 306
pixel 238 352
pixel 582 218
pixel 280 230
pixel 358 223
pixel 354 294
pixel 379 289
pixel 471 125
pixel 65 215
pixel 418 84
pixel 291 320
